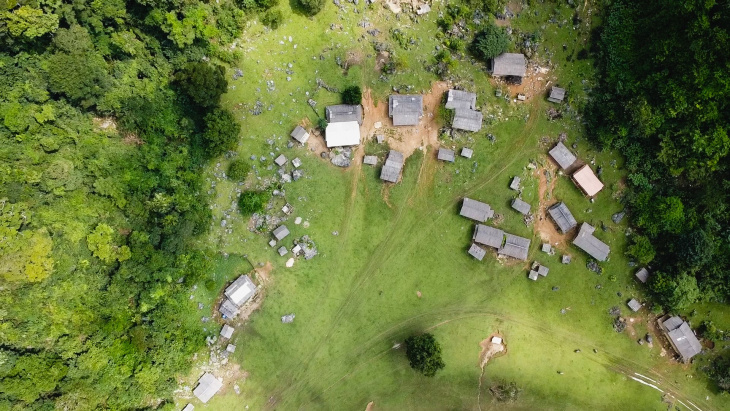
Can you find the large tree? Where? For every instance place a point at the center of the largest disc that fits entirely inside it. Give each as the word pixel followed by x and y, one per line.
pixel 424 354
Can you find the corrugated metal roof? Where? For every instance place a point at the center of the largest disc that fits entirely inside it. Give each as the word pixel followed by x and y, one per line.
pixel 342 134
pixel 461 99
pixel 682 338
pixel 467 119
pixel 634 305
pixel 405 109
pixel 476 210
pixel 341 113
pixel 300 134
pixel 642 275
pixel 515 246
pixel 586 241
pixel 557 95
pixel 280 232
pixel 521 206
pixel 240 290
pixel 515 184
pixel 446 155
pixel 208 385
pixel 562 155
pixel 370 160
pixel 509 64
pixel 392 167
pixel 489 236
pixel 562 217
pixel 477 252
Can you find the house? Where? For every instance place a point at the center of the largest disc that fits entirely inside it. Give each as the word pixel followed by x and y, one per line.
pixel 208 385
pixel 562 217
pixel 557 95
pixel 392 167
pixel 477 252
pixel 240 290
pixel 521 206
pixel 405 109
pixel 446 155
pixel 562 155
pixel 461 99
pixel 634 305
pixel 642 275
pixel 227 331
pixel 682 338
pixel 300 134
pixel 280 232
pixel 512 65
pixel 587 181
pixel 515 184
pixel 489 236
pixel 189 407
pixel 467 119
pixel 476 210
pixel 296 249
pixel 228 309
pixel 342 134
pixel 515 246
pixel 590 244
pixel 467 152
pixel 343 113
pixel 281 160
pixel 533 275
pixel 370 160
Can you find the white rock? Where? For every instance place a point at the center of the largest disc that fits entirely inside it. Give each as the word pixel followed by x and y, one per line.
pixel 290 263
pixel 378 125
pixel 298 220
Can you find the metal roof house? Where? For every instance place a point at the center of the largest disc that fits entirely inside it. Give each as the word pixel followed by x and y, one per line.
pixel 642 275
pixel 682 338
pixel 562 155
pixel 446 155
pixel 300 134
pixel 489 236
pixel 587 181
pixel 590 244
pixel 563 217
pixel 392 167
pixel 509 65
pixel 280 232
pixel 521 206
pixel 342 134
pixel 467 119
pixel 343 113
pixel 477 252
pixel 515 247
pixel 456 99
pixel 405 109
pixel 240 290
pixel 227 331
pixel 208 385
pixel 557 95
pixel 634 305
pixel 476 210
pixel 515 184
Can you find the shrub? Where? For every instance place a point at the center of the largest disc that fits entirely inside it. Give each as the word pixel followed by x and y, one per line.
pixel 250 202
pixel 311 7
pixel 322 123
pixel 352 95
pixel 272 19
pixel 505 392
pixel 424 354
pixel 221 132
pixel 490 42
pixel 238 170
pixel 641 249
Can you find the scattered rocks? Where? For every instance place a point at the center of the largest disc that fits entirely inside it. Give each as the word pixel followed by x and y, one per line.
pixel 592 265
pixel 616 218
pixel 288 319
pixel 237 73
pixel 290 262
pixel 340 160
pixel 298 220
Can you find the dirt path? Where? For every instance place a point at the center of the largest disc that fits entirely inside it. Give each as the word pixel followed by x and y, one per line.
pixel 543 225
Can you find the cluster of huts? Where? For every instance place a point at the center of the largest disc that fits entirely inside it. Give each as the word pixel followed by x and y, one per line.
pixel 512 67
pixel 506 244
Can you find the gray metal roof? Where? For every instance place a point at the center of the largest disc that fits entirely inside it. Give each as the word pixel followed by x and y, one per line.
pixel 533 275
pixel 208 385
pixel 280 232
pixel 282 251
pixel 521 206
pixel 509 64
pixel 392 167
pixel 227 331
pixel 672 323
pixel 590 244
pixel 370 160
pixel 565 259
pixel 557 95
pixel 477 252
pixel 281 160
pixel 515 184
pixel 228 309
pixel 240 290
pixel 476 210
pixel 467 152
pixel 300 134
pixel 189 407
pixel 489 236
pixel 634 305
pixel 562 217
pixel 642 275
pixel 515 246
pixel 562 155
pixel 543 271
pixel 461 99
pixel 405 109
pixel 341 113
pixel 682 338
pixel 467 119
pixel 446 155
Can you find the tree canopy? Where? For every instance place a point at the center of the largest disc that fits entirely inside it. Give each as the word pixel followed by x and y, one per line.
pixel 424 354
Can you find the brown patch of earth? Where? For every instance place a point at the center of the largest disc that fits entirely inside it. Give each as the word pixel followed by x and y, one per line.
pixel 543 224
pixel 232 374
pixel 263 274
pixel 535 82
pixel 370 406
pixel 354 58
pixel 381 59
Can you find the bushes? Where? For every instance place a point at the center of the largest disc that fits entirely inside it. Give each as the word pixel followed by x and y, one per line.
pixel 641 249
pixel 424 354
pixel 238 170
pixel 203 82
pixel 221 132
pixel 352 95
pixel 250 202
pixel 490 42
pixel 311 7
pixel 272 19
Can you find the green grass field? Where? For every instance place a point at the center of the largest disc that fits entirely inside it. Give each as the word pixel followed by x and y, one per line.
pixel 358 298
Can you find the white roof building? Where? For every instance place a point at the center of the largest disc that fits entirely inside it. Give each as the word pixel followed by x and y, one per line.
pixel 342 134
pixel 208 385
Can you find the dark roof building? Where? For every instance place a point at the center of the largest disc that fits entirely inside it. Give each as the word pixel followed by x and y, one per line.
pixel 446 155
pixel 521 206
pixel 489 236
pixel 533 275
pixel 590 244
pixel 461 99
pixel 477 252
pixel 467 119
pixel 557 95
pixel 563 217
pixel 341 113
pixel 682 338
pixel 392 167
pixel 634 305
pixel 642 275
pixel 515 246
pixel 405 110
pixel 509 64
pixel 562 155
pixel 476 210
pixel 300 134
pixel 280 232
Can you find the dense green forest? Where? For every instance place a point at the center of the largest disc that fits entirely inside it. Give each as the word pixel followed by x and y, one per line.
pixel 664 102
pixel 108 111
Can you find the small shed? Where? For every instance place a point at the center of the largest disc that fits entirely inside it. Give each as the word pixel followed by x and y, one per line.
pixel 489 236
pixel 392 167
pixel 467 119
pixel 586 241
pixel 208 385
pixel 515 246
pixel 370 160
pixel 562 217
pixel 240 290
pixel 642 275
pixel 521 206
pixel 296 249
pixel 515 184
pixel 682 338
pixel 281 160
pixel 423 9
pixel 300 134
pixel 343 113
pixel 476 210
pixel 467 152
pixel 547 248
pixel 296 162
pixel 496 340
pixel 509 65
pixel 587 181
pixel 446 155
pixel 542 270
pixel 342 134
pixel 405 109
pixel 282 251
pixel 461 99
pixel 634 305
pixel 477 252
pixel 227 331
pixel 566 259
pixel 280 232
pixel 562 155
pixel 557 95
pixel 231 348
pixel 533 275
pixel 228 309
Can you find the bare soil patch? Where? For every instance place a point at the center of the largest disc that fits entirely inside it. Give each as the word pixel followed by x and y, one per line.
pixel 534 84
pixel 543 225
pixel 490 350
pixel 370 406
